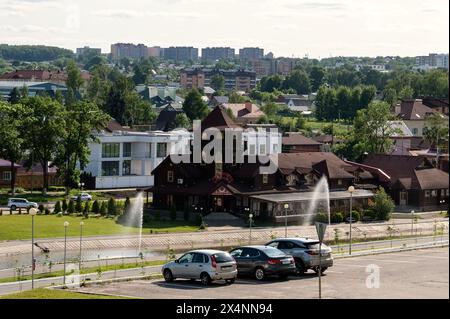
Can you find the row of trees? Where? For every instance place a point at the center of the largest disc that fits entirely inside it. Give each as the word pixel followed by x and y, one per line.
pixel 342 102
pixel 395 85
pixel 43 130
pixel 33 53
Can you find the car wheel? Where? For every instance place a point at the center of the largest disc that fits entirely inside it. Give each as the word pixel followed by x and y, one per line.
pixel 168 277
pixel 230 281
pixel 259 274
pixel 13 207
pixel 205 279
pixel 300 267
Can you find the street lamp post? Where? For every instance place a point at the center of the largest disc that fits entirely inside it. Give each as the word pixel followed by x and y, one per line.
pixel 412 223
pixel 81 186
pixel 32 212
pixel 351 189
pixel 250 235
pixel 286 207
pixel 81 239
pixel 66 224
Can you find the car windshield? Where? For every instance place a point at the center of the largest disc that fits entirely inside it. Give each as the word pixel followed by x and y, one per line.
pixel 223 258
pixel 273 252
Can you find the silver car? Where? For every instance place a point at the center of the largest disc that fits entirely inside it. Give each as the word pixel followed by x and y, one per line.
pixel 14 203
pixel 206 265
pixel 305 252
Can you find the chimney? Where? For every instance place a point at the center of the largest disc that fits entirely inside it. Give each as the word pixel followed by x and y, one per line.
pixel 249 106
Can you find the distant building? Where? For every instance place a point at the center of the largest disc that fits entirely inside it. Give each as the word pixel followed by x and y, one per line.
pixel 239 80
pixel 41 76
pixel 251 54
pixel 296 103
pixel 375 67
pixel 88 50
pixel 166 119
pixel 244 113
pixel 294 142
pixel 414 113
pixel 432 61
pixel 128 50
pixel 154 52
pixel 440 105
pixel 180 54
pixel 217 53
pixel 34 88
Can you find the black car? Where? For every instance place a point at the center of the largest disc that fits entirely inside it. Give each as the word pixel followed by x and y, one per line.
pixel 263 261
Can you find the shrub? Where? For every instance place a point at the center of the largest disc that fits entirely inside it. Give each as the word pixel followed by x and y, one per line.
pixel 111 207
pixel 198 220
pixel 20 190
pixel 321 218
pixel 58 208
pixel 86 209
pixel 71 207
pixel 126 205
pixel 173 212
pixel 1 212
pixel 41 208
pixel 64 206
pixel 59 214
pixel 103 208
pixel 337 218
pixel 383 205
pixel 95 207
pixel 47 211
pixel 79 206
pixel 157 215
pixel 356 215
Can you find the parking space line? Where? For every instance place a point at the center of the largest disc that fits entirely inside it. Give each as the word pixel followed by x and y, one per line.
pixel 392 261
pixel 181 285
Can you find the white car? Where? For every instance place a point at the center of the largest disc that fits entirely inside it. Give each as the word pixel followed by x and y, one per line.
pixel 14 203
pixel 206 265
pixel 85 197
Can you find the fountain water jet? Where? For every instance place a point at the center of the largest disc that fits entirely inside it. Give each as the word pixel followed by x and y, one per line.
pixel 321 199
pixel 135 216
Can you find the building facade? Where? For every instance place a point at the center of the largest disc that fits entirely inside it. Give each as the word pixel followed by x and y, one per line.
pixel 251 54
pixel 88 50
pixel 432 61
pixel 181 54
pixel 217 53
pixel 239 80
pixel 128 50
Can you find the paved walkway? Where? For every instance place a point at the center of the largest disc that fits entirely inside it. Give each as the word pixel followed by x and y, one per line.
pixel 226 238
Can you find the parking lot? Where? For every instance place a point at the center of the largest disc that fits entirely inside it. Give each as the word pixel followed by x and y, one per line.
pixel 410 274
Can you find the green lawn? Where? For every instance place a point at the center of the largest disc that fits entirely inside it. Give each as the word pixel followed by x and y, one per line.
pixel 16 227
pixel 339 128
pixel 54 294
pixel 88 270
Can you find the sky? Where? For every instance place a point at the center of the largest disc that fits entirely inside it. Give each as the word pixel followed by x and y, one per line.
pixel 290 28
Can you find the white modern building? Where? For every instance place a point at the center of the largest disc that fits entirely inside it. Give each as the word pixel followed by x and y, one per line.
pixel 126 159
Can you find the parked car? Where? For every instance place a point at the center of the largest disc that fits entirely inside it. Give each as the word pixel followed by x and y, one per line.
pixel 206 265
pixel 85 197
pixel 14 203
pixel 263 261
pixel 305 252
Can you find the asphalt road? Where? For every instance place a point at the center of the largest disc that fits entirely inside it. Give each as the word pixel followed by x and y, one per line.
pixel 412 275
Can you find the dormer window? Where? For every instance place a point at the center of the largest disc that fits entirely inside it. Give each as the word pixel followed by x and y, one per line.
pixel 170 176
pixel 291 180
pixel 265 178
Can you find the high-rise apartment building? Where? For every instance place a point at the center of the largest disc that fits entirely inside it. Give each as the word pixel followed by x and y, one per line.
pixel 251 53
pixel 181 54
pixel 128 50
pixel 217 53
pixel 432 61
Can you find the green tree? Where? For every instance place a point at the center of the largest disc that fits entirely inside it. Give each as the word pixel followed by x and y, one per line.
pixel 64 205
pixel 406 93
pixel 43 132
pixel 182 121
pixel 71 207
pixel 74 82
pixel 112 209
pixel 299 81
pixel 79 205
pixel 218 82
pixel 271 83
pixel 14 96
pixel 96 207
pixel 383 205
pixel 372 130
pixel 317 75
pixel 436 131
pixel 58 208
pixel 104 208
pixel 72 154
pixel 390 96
pixel 12 142
pixel 194 107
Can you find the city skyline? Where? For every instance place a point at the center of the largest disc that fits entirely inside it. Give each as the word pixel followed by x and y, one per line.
pixel 286 28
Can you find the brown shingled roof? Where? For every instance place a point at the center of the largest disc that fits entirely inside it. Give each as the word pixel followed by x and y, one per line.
pixel 293 138
pixel 219 119
pixel 415 110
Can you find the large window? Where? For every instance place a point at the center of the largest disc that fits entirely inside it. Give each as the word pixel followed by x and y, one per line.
pixel 126 149
pixel 170 176
pixel 7 176
pixel 126 168
pixel 110 150
pixel 265 178
pixel 110 168
pixel 161 150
